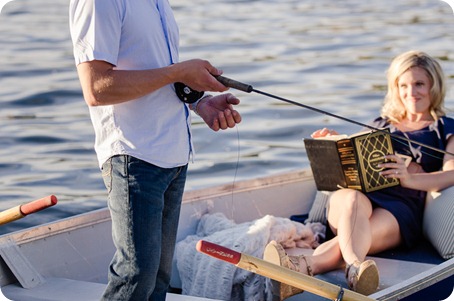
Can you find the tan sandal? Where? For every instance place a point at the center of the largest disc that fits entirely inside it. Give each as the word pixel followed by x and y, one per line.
pixel 363 277
pixel 276 254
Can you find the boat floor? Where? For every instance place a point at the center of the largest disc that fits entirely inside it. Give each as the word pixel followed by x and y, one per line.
pixel 391 272
pixel 59 289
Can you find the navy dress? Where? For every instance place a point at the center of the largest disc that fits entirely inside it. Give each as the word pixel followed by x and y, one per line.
pixel 407 205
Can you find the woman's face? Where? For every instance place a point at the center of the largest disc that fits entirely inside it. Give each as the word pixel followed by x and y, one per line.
pixel 414 91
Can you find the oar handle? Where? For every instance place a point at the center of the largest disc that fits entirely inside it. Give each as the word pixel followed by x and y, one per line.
pixel 276 272
pixel 38 205
pixel 228 82
pixel 20 211
pixel 218 252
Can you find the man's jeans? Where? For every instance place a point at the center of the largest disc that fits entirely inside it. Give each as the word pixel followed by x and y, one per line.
pixel 144 202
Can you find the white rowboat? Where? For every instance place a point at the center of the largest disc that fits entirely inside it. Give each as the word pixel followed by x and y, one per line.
pixel 68 259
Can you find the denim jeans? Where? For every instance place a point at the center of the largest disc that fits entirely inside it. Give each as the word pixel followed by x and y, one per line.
pixel 144 202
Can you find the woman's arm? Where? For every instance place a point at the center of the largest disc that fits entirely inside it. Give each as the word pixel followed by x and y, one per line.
pixel 433 181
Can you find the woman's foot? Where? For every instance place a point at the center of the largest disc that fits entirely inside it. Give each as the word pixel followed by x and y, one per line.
pixel 363 277
pixel 276 254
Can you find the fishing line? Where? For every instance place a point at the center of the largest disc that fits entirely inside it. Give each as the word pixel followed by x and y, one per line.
pixel 248 89
pixel 236 168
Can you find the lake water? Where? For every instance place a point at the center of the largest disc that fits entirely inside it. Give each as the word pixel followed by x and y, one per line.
pixel 328 54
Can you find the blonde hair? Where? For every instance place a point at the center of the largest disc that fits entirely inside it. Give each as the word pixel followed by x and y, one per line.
pixel 393 107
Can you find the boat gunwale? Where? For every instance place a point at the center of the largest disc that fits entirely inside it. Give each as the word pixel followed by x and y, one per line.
pixel 102 215
pixel 247 185
pixel 57 227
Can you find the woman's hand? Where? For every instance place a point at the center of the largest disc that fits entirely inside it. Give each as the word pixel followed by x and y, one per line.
pixel 324 133
pixel 399 169
pixel 394 169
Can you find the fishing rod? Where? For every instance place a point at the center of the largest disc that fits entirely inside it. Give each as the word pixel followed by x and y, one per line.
pixel 228 82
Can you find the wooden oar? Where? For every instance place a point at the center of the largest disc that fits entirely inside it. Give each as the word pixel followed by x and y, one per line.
pixel 278 273
pixel 20 211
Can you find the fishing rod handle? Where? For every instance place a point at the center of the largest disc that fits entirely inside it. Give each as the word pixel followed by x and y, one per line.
pixel 228 82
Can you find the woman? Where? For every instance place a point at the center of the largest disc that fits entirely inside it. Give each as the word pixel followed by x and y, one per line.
pixel 369 223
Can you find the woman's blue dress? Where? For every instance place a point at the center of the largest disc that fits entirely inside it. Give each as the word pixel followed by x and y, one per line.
pixel 407 205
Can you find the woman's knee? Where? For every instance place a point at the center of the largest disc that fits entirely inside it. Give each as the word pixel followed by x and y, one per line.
pixel 347 202
pixel 345 199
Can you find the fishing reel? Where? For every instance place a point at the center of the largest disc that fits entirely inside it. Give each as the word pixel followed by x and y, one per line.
pixel 186 94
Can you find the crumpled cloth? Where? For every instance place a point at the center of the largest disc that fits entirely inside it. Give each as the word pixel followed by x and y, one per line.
pixel 204 276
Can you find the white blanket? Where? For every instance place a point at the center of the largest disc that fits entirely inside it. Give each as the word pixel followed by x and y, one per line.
pixel 204 276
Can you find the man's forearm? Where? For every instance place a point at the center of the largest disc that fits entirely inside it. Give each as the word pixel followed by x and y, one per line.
pixel 103 85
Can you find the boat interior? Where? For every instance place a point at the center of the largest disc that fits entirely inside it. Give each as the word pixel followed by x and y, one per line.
pixel 67 260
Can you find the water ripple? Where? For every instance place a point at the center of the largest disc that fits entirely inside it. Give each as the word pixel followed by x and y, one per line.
pixel 322 53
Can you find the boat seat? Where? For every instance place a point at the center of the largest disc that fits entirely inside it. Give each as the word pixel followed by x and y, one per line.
pixel 58 289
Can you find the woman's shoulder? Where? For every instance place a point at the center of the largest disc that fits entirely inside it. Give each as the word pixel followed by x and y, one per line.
pixel 448 123
pixel 380 122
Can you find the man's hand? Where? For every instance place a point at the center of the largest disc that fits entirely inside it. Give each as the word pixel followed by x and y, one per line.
pixel 218 113
pixel 198 74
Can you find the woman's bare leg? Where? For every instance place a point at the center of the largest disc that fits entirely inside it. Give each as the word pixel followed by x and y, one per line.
pixel 360 231
pixel 349 215
pixel 326 257
pixel 385 231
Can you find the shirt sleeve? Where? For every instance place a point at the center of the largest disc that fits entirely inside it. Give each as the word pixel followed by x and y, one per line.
pixel 448 124
pixel 95 27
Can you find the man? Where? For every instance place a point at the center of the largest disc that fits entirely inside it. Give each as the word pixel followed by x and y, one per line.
pixel 126 54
